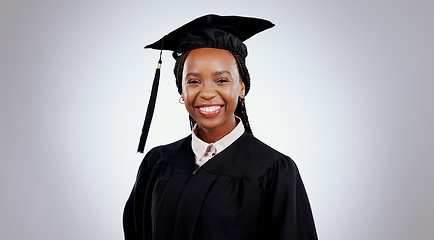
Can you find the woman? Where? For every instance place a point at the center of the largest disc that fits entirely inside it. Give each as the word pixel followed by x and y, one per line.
pixel 220 182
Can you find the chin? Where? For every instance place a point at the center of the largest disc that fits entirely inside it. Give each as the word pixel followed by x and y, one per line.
pixel 214 123
pixel 208 124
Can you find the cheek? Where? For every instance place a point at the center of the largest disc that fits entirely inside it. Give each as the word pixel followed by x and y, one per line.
pixel 236 91
pixel 183 90
pixel 231 97
pixel 189 95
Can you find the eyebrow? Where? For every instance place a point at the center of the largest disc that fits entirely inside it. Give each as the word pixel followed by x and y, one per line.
pixel 222 72
pixel 194 74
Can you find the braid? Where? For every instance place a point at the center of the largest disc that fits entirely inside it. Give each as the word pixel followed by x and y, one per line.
pixel 244 72
pixel 179 67
pixel 240 110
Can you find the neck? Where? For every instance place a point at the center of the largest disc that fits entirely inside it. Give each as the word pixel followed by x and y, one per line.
pixel 213 135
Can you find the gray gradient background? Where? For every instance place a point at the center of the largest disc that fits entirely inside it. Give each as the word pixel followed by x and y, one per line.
pixel 343 87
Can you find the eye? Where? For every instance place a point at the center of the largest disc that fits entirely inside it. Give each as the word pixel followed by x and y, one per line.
pixel 222 80
pixel 192 81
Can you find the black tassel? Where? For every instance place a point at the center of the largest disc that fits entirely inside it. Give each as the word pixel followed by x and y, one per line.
pixel 151 107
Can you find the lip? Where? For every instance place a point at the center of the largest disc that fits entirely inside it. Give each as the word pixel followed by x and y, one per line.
pixel 209 110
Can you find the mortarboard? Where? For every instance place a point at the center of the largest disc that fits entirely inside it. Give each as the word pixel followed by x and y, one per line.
pixel 209 31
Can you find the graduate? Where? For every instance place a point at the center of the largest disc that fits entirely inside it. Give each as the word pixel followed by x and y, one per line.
pixel 220 182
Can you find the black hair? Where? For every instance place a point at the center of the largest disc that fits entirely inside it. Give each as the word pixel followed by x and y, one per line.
pixel 240 110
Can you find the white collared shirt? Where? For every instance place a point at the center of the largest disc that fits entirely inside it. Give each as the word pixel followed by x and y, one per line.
pixel 205 151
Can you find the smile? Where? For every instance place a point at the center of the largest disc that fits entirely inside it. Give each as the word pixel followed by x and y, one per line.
pixel 209 110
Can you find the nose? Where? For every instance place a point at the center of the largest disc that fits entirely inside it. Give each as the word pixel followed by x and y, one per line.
pixel 207 91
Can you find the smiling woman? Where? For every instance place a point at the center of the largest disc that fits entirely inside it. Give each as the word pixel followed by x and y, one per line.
pixel 211 88
pixel 220 182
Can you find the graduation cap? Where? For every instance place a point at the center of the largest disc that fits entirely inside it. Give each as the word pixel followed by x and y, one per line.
pixel 209 31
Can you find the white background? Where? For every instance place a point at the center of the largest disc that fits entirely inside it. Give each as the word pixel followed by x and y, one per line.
pixel 345 88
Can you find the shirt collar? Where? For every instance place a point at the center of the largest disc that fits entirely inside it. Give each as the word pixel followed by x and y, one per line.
pixel 199 147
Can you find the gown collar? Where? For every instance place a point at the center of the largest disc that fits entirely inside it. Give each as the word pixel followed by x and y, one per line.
pixel 201 149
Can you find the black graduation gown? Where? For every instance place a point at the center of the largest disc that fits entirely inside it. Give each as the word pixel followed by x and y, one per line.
pixel 247 191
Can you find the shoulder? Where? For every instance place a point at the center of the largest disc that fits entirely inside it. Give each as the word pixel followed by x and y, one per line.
pixel 257 148
pixel 264 158
pixel 247 157
pixel 170 153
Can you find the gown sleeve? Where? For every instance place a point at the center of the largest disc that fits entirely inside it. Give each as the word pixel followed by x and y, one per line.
pixel 287 212
pixel 133 218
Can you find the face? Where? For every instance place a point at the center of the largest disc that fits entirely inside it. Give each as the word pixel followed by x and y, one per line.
pixel 211 87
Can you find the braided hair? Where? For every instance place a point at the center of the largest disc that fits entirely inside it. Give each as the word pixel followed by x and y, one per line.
pixel 240 110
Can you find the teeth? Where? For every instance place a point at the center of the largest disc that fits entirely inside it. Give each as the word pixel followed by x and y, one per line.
pixel 210 109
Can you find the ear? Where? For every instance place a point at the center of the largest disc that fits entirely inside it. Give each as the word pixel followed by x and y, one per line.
pixel 243 90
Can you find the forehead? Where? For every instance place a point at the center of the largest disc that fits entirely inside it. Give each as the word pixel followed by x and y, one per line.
pixel 210 58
